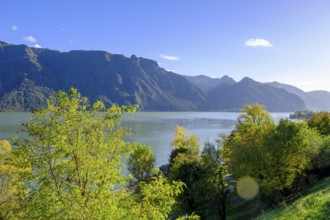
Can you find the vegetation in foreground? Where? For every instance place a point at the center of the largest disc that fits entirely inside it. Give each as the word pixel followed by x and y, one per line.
pixel 71 167
pixel 313 203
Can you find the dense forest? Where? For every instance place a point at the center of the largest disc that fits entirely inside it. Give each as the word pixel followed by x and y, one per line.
pixel 71 166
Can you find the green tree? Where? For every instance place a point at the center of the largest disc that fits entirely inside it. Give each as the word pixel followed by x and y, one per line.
pixel 275 156
pixel 141 163
pixel 75 152
pixel 321 160
pixel 12 189
pixel 291 149
pixel 321 122
pixel 204 176
pixel 213 186
pixel 154 200
pixel 244 150
pixel 184 144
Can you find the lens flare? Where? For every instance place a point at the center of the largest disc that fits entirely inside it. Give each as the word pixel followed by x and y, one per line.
pixel 247 187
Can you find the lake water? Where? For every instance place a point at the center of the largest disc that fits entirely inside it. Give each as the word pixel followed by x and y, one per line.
pixel 153 128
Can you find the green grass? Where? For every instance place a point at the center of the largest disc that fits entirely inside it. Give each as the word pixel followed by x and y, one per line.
pixel 313 203
pixel 243 209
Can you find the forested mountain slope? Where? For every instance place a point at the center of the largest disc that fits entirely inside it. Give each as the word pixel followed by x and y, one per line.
pixel 29 75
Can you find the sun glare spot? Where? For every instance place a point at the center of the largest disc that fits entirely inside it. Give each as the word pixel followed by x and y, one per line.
pixel 247 187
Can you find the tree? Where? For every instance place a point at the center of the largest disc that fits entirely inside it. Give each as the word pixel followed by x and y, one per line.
pixel 245 151
pixel 302 114
pixel 291 149
pixel 321 159
pixel 275 156
pixel 154 200
pixel 214 183
pixel 75 152
pixel 70 167
pixel 321 122
pixel 141 163
pixel 184 144
pixel 12 189
pixel 204 176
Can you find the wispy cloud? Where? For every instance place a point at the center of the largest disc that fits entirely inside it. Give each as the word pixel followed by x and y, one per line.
pixel 30 39
pixel 258 43
pixel 37 46
pixel 171 58
pixel 14 28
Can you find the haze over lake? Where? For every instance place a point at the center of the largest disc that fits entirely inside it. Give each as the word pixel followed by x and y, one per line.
pixel 153 128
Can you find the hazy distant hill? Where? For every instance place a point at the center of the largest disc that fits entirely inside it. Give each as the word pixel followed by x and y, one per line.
pixel 248 91
pixel 323 96
pixel 29 75
pixel 315 100
pixel 207 83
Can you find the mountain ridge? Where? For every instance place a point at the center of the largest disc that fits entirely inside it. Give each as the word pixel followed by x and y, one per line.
pixel 315 100
pixel 121 79
pixel 249 91
pixel 115 78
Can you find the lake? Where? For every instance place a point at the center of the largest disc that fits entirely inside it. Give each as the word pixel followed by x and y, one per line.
pixel 153 128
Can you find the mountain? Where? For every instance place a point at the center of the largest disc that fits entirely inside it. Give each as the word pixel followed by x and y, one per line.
pixel 206 83
pixel 323 97
pixel 247 91
pixel 28 76
pixel 97 75
pixel 25 97
pixel 315 100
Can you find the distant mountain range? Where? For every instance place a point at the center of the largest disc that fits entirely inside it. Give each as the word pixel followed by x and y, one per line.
pixel 314 100
pixel 28 76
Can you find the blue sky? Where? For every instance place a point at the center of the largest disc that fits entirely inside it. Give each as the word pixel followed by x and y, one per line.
pixel 268 40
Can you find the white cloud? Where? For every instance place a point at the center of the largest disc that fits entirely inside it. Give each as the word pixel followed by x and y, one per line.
pixel 14 28
pixel 71 42
pixel 171 58
pixel 258 43
pixel 37 46
pixel 172 70
pixel 30 39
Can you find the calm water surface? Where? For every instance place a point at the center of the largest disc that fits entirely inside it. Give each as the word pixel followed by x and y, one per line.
pixel 153 128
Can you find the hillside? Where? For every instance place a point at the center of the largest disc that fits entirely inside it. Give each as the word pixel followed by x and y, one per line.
pixel 323 96
pixel 206 83
pixel 313 203
pixel 315 100
pixel 29 75
pixel 247 91
pixel 97 74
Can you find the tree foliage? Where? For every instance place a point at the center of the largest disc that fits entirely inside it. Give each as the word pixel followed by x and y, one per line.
pixel 141 163
pixel 244 149
pixel 75 152
pixel 155 200
pixel 291 148
pixel 321 122
pixel 70 167
pixel 12 189
pixel 276 156
pixel 184 144
pixel 302 114
pixel 206 188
